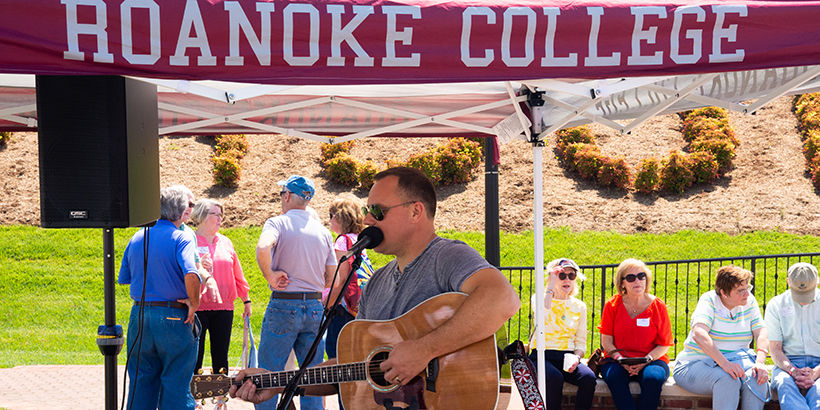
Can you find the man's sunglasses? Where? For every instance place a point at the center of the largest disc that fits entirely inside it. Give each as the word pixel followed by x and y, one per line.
pixel 631 277
pixel 378 211
pixel 564 275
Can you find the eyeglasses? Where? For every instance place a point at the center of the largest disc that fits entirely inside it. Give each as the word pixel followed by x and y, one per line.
pixel 631 277
pixel 331 215
pixel 283 192
pixel 564 275
pixel 744 292
pixel 215 214
pixel 378 211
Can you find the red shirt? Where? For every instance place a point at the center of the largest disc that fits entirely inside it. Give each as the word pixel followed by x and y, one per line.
pixel 637 336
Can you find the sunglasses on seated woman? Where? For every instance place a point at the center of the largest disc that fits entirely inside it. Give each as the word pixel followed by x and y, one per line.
pixel 631 277
pixel 564 275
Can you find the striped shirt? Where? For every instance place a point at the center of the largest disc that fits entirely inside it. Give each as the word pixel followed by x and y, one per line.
pixel 730 330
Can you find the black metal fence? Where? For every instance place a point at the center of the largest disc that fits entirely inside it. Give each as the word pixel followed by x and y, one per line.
pixel 678 283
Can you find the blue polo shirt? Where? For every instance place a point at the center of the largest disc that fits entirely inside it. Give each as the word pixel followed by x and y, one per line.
pixel 170 258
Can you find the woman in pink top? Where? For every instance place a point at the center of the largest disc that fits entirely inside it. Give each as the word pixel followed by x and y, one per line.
pixel 216 316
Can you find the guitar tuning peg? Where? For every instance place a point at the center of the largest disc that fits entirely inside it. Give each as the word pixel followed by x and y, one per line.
pixel 223 370
pixel 200 371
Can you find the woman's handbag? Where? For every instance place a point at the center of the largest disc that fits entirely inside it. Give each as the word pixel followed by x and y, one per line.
pixel 595 361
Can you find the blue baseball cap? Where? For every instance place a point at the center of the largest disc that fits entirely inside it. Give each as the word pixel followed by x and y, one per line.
pixel 299 185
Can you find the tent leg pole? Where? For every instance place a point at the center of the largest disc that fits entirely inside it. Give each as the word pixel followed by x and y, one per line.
pixel 492 240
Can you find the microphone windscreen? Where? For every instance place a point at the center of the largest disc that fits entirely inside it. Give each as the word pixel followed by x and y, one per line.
pixel 375 234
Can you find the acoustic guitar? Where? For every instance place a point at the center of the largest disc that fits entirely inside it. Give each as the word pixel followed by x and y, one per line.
pixel 464 379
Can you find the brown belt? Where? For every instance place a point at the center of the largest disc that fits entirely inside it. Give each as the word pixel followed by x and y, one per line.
pixel 176 305
pixel 296 295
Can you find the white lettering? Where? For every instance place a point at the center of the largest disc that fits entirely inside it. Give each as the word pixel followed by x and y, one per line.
pixel 236 20
pixel 192 18
pixel 127 32
pixel 339 35
pixel 729 33
pixel 74 29
pixel 549 59
pixel 638 34
pixel 313 43
pixel 506 38
pixel 593 60
pixel 466 29
pixel 405 36
pixel 695 35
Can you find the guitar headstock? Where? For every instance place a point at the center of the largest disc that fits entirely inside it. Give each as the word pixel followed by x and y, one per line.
pixel 210 385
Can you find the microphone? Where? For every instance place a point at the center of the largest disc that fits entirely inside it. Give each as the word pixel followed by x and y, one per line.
pixel 370 238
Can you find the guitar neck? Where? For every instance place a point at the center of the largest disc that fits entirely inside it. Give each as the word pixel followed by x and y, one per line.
pixel 333 374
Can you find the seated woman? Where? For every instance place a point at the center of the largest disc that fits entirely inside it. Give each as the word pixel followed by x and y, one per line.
pixel 716 358
pixel 635 324
pixel 565 328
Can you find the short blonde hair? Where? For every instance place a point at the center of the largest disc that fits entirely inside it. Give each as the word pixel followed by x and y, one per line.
pixel 202 208
pixel 348 213
pixel 623 270
pixel 579 276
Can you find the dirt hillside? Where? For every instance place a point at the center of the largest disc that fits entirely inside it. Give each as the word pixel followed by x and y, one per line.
pixel 767 188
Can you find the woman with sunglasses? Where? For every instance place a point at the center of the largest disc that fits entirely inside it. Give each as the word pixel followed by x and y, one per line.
pixel 565 328
pixel 716 359
pixel 635 324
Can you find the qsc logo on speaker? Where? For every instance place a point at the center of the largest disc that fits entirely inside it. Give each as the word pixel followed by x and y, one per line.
pixel 77 214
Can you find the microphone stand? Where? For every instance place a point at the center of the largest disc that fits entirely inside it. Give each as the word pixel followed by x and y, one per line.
pixel 329 314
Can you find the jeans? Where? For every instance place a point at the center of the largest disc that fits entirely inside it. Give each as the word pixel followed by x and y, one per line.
pixel 290 323
pixel 706 377
pixel 339 321
pixel 651 378
pixel 166 359
pixel 788 393
pixel 556 376
pixel 218 324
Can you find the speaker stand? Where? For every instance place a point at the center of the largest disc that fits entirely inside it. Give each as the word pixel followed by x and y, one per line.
pixel 110 335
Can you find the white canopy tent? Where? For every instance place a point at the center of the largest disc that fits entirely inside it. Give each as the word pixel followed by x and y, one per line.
pixel 676 56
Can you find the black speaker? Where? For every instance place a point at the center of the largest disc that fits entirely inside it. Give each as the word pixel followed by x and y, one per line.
pixel 99 151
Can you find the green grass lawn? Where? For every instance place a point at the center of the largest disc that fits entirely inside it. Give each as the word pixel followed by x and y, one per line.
pixel 51 282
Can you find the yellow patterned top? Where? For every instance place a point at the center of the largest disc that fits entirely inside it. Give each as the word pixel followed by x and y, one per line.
pixel 565 325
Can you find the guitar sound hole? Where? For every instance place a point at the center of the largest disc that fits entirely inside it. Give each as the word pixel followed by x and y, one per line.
pixel 376 373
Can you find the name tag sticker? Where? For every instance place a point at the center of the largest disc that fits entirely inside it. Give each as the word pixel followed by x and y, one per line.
pixel 643 322
pixel 203 249
pixel 788 311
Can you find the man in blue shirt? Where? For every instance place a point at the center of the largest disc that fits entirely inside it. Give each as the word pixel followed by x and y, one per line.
pixel 162 330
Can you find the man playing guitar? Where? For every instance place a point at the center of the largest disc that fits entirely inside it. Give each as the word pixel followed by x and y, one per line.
pixel 402 203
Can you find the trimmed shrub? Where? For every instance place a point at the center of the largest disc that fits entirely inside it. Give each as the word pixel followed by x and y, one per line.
pixel 232 142
pixel 5 137
pixel 705 127
pixel 568 136
pixel 457 159
pixel 704 167
pixel 708 112
pixel 567 153
pixel 330 150
pixel 393 163
pixel 427 163
pixel 807 109
pixel 723 150
pixel 676 172
pixel 343 168
pixel 647 179
pixel 615 171
pixel 588 161
pixel 367 170
pixel 811 145
pixel 227 170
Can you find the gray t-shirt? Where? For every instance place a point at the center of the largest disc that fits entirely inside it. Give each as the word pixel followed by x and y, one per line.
pixel 442 267
pixel 303 248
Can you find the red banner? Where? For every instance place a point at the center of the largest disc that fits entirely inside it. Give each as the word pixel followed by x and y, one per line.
pixel 378 42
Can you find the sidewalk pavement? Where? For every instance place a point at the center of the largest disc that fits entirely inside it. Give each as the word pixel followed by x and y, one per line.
pixel 83 387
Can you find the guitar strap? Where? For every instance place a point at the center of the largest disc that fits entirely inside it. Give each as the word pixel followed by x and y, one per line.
pixel 523 371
